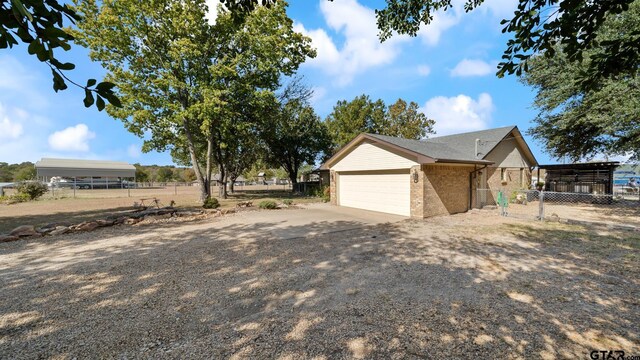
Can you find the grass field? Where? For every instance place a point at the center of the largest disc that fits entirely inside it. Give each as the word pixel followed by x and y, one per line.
pixel 96 204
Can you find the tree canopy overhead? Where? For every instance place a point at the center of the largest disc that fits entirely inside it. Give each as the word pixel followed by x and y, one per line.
pixel 537 26
pixel 40 24
pixel 580 124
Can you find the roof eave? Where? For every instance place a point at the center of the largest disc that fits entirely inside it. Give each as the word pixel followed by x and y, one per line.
pixel 458 161
pixel 419 158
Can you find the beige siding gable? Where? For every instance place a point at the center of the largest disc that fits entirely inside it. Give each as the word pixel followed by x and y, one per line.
pixel 508 154
pixel 368 156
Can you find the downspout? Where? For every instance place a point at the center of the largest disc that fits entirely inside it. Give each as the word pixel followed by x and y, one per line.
pixel 475 169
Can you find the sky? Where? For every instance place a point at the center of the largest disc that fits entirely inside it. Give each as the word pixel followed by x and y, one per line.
pixel 448 69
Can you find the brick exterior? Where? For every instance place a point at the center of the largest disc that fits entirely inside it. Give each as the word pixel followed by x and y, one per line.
pixel 332 188
pixel 417 192
pixel 494 182
pixel 446 189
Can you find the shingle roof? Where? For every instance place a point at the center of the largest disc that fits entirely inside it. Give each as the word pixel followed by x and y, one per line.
pixel 458 147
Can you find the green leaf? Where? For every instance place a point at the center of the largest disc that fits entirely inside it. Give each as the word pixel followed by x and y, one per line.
pixel 91 82
pixel 100 103
pixel 88 98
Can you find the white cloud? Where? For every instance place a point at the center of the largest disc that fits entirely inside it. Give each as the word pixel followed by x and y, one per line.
pixel 471 67
pixel 424 70
pixel 134 151
pixel 459 113
pixel 73 138
pixel 361 49
pixel 10 129
pixel 430 34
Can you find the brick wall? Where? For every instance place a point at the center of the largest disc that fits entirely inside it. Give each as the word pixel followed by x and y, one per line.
pixel 446 189
pixel 417 192
pixel 332 187
pixel 512 175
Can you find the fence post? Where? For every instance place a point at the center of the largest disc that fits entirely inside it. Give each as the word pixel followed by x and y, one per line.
pixel 541 197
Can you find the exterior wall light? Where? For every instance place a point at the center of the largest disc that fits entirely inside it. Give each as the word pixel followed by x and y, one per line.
pixel 415 176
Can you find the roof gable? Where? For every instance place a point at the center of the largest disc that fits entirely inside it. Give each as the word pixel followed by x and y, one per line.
pixel 471 148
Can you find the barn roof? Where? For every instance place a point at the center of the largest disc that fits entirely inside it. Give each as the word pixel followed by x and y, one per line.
pixel 84 168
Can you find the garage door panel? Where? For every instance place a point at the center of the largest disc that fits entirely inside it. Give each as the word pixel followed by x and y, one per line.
pixel 384 192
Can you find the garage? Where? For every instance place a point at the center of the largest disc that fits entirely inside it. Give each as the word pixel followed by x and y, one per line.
pixel 383 191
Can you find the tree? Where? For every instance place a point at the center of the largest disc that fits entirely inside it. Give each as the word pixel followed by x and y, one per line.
pixel 406 121
pixel 362 115
pixel 296 136
pixel 537 26
pixel 350 118
pixel 177 75
pixel 39 23
pixel 165 174
pixel 188 175
pixel 580 124
pixel 25 173
pixel 142 175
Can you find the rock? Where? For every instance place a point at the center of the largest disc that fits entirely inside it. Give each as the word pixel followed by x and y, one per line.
pixel 7 238
pixel 87 226
pixel 45 230
pixel 60 230
pixel 24 230
pixel 103 223
pixel 132 221
pixel 157 217
pixel 189 213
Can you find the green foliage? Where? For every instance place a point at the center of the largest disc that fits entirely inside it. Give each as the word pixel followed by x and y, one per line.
pixel 350 118
pixel 577 123
pixel 165 174
pixel 18 198
pixel 362 115
pixel 295 135
pixel 198 89
pixel 25 173
pixel 31 190
pixel 39 23
pixel 536 27
pixel 287 202
pixel 16 172
pixel 267 204
pixel 211 203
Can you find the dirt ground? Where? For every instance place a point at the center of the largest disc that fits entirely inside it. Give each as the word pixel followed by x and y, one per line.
pixel 462 286
pixel 96 204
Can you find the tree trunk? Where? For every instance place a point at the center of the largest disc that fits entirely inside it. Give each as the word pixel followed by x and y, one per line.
pixel 205 192
pixel 232 183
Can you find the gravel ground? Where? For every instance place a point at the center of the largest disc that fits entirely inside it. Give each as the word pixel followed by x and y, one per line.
pixel 462 286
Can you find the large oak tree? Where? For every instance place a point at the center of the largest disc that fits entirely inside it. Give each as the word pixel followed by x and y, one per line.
pixel 180 79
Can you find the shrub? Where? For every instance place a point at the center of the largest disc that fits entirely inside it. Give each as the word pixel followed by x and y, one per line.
pixel 326 194
pixel 211 203
pixel 30 190
pixel 267 204
pixel 287 202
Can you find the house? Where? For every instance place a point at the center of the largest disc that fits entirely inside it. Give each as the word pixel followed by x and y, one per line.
pixel 424 178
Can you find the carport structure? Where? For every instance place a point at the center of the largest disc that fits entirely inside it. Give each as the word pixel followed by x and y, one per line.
pixel 47 168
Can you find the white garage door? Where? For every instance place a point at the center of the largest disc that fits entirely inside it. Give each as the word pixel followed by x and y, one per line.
pixel 387 192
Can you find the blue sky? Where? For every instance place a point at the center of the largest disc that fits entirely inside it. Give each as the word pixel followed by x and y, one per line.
pixel 448 69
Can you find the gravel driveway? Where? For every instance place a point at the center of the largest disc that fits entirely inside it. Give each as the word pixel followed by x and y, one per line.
pixel 262 285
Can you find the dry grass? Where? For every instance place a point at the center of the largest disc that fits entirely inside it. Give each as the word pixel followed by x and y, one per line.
pixel 96 204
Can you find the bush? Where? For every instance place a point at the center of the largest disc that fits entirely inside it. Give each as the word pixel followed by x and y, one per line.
pixel 211 203
pixel 287 202
pixel 326 194
pixel 267 204
pixel 30 190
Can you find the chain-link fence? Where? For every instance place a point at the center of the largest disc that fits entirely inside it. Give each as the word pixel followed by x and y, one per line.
pixel 620 207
